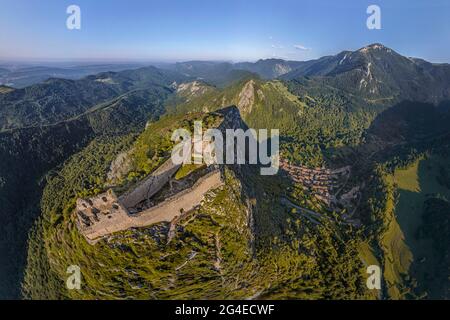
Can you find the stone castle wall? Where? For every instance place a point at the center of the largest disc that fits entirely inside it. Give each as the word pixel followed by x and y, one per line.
pixel 151 185
pixel 322 183
pixel 184 201
pixel 104 214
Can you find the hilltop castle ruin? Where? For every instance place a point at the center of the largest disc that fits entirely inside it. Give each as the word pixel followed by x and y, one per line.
pixel 106 213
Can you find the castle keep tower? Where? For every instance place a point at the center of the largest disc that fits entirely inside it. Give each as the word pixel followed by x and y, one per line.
pixel 100 214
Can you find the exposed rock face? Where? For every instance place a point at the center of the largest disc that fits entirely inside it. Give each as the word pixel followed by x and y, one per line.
pixel 280 69
pixel 261 95
pixel 321 182
pixel 119 167
pixel 247 98
pixel 5 89
pixel 194 88
pixel 106 80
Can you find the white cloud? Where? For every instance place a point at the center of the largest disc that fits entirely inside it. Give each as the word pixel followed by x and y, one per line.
pixel 301 47
pixel 275 46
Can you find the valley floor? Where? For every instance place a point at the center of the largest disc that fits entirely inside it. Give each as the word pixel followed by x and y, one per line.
pixel 411 255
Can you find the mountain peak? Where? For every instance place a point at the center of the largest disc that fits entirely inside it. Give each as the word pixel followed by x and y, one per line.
pixel 374 46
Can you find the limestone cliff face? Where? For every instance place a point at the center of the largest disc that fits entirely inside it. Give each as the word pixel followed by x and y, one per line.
pixel 120 167
pixel 101 215
pixel 193 89
pixel 280 69
pixel 247 98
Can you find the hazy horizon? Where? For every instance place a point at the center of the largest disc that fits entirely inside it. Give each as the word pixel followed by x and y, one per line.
pixel 234 31
pixel 141 63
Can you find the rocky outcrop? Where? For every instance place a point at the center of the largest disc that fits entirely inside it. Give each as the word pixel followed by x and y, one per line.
pixel 192 89
pixel 247 98
pixel 148 203
pixel 101 215
pixel 280 69
pixel 119 167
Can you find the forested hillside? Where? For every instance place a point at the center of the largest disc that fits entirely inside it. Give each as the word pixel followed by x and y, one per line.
pixel 47 124
pixel 379 74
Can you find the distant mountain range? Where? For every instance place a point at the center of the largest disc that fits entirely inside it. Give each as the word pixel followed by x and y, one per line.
pixel 374 71
pixel 217 72
pixel 20 76
pixel 374 74
pixel 60 99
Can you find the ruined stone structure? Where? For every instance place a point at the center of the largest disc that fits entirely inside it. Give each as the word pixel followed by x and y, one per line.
pixel 151 185
pixel 104 214
pixel 101 215
pixel 144 204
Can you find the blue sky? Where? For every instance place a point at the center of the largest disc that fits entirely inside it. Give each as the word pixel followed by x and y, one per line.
pixel 175 30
